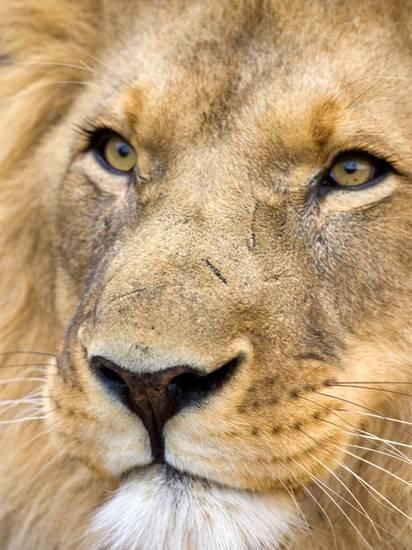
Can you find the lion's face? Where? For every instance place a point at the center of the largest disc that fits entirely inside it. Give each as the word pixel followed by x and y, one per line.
pixel 233 236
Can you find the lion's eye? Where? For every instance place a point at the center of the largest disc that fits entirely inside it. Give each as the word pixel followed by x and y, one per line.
pixel 114 152
pixel 356 170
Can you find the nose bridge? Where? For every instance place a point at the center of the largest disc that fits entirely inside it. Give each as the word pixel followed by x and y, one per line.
pixel 186 252
pixel 202 215
pixel 172 289
pixel 180 278
pixel 178 260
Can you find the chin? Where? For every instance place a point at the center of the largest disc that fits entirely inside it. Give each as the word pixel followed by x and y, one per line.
pixel 159 507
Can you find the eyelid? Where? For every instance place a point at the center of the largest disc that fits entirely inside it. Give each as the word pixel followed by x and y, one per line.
pixel 371 150
pixel 92 126
pixel 98 132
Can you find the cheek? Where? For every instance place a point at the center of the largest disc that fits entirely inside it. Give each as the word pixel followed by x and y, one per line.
pixel 67 296
pixel 85 226
pixel 76 220
pixel 362 259
pixel 251 439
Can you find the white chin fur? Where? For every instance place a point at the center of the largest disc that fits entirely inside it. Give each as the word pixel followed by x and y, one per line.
pixel 156 511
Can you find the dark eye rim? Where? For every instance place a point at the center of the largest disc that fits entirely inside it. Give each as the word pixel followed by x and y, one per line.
pixel 98 140
pixel 382 169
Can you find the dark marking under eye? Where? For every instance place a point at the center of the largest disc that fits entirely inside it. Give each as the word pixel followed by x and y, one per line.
pixel 216 271
pixel 5 59
pixel 251 244
pixel 311 356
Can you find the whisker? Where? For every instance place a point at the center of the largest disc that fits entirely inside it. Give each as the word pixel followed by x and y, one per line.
pixel 345 401
pixel 362 509
pixel 356 432
pixel 37 404
pixel 41 85
pixel 390 442
pixel 18 401
pixel 35 399
pixel 17 416
pixel 358 405
pixel 53 459
pixel 21 420
pixel 308 492
pixel 24 365
pixel 34 395
pixel 298 508
pixel 371 388
pixel 374 524
pixel 362 481
pixel 384 453
pixel 18 380
pixel 104 65
pixel 357 457
pixel 41 415
pixel 320 485
pixel 29 398
pixel 331 411
pixel 387 418
pixel 37 436
pixel 82 67
pixel 32 373
pixel 348 382
pixel 369 436
pixel 24 352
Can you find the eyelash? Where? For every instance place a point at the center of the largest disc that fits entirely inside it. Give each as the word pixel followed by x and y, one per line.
pixel 89 133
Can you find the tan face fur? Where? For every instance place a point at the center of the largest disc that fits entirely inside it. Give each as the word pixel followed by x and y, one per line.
pixel 228 250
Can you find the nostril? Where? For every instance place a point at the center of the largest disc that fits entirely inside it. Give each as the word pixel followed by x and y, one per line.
pixel 157 396
pixel 191 388
pixel 109 378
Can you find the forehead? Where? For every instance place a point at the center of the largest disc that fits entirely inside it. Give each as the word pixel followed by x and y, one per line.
pixel 195 71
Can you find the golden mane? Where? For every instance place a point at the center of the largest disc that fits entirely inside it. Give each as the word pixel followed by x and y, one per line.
pixel 40 47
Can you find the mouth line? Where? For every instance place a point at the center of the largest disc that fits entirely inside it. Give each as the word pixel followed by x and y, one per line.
pixel 169 471
pixel 172 475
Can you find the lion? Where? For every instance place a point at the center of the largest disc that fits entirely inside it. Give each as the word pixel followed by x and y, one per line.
pixel 206 248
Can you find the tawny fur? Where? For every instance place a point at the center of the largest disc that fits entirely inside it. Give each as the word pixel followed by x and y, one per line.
pixel 50 52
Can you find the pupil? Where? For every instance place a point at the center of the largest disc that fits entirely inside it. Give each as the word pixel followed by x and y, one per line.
pixel 351 167
pixel 123 150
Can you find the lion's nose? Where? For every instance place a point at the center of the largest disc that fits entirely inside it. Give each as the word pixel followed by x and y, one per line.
pixel 157 396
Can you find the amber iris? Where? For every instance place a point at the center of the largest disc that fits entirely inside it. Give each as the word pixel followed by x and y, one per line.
pixel 119 155
pixel 353 171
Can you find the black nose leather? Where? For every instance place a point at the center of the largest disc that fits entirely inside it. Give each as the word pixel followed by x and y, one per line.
pixel 157 396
